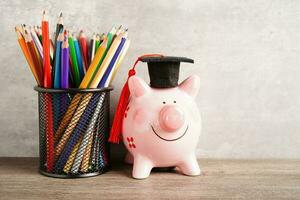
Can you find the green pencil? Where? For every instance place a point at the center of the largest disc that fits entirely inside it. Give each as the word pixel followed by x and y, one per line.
pixel 97 43
pixel 74 61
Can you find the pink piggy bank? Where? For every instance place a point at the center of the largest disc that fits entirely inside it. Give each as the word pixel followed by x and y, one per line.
pixel 161 127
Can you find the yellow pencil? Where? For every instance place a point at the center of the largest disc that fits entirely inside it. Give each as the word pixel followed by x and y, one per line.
pixel 94 65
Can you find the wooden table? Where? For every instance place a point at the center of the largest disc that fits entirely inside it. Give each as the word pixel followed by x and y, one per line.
pixel 220 179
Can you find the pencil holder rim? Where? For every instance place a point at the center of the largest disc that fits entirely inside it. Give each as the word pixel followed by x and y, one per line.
pixel 73 90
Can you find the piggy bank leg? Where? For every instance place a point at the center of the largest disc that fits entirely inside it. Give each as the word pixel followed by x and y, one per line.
pixel 190 166
pixel 128 158
pixel 141 167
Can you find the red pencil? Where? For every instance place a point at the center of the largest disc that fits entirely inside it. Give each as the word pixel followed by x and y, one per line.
pixel 48 97
pixel 46 52
pixel 84 49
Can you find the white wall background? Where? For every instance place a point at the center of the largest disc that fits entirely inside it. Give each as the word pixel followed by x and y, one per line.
pixel 247 53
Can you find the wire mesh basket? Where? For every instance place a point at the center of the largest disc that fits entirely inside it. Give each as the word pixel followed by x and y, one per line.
pixel 73 132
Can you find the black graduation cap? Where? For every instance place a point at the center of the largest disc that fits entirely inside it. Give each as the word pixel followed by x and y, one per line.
pixel 164 71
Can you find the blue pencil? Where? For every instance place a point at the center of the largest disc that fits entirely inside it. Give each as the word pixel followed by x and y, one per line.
pixel 79 58
pixel 57 62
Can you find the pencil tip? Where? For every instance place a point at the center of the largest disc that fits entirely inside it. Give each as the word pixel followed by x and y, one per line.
pixel 61 14
pixel 44 12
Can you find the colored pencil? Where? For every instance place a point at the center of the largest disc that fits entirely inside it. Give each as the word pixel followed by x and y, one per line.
pixel 39 33
pixel 48 101
pixel 64 79
pixel 102 37
pixel 117 66
pixel 57 62
pixel 74 61
pixel 97 43
pixel 46 52
pixel 92 46
pixel 84 49
pixel 33 54
pixel 51 54
pixel 79 58
pixel 28 57
pixel 59 27
pixel 36 42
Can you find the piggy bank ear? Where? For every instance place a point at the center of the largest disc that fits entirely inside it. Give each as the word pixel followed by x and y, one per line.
pixel 137 86
pixel 191 85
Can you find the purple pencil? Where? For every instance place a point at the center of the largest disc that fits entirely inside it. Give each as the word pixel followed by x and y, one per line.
pixel 65 64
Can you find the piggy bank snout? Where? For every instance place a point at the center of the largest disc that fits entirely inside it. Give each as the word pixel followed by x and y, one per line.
pixel 171 118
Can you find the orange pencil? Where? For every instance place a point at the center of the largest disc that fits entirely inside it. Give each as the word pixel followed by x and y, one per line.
pixel 27 56
pixel 34 57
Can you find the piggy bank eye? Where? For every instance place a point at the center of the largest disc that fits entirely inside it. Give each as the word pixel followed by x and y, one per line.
pixel 174 101
pixel 164 102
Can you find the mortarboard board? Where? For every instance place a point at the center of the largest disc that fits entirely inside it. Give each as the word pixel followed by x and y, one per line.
pixel 164 71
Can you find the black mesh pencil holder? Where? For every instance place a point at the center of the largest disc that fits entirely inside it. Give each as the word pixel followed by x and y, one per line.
pixel 73 132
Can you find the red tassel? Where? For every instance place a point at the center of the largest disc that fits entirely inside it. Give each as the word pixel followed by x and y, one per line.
pixel 116 129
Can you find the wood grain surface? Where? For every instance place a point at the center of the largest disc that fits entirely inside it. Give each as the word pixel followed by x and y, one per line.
pixel 220 179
